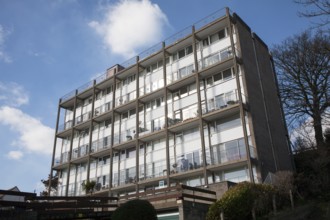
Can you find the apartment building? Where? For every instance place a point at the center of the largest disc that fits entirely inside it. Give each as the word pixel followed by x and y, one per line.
pixel 197 109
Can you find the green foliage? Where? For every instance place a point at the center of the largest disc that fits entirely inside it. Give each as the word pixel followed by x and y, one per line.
pixel 214 211
pixel 88 186
pixel 135 210
pixel 239 201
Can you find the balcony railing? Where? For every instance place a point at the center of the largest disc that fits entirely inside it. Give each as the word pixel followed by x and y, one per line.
pixel 186 161
pixel 62 159
pixel 101 144
pixel 215 58
pixel 68 96
pixel 221 102
pixel 153 170
pixel 178 36
pixel 169 41
pixel 82 118
pixel 129 63
pixel 228 155
pixel 181 73
pixel 151 87
pixel 154 49
pixel 85 86
pixel 103 109
pixel 185 114
pixel 80 151
pixel 126 98
pixel 65 126
pixel 207 20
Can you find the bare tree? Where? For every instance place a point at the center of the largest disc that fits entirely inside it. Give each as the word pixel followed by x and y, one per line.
pixel 302 64
pixel 316 8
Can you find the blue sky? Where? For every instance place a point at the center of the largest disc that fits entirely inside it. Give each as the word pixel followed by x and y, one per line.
pixel 51 47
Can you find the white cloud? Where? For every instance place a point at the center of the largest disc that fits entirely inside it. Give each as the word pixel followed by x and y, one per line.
pixel 13 94
pixel 15 155
pixel 3 55
pixel 131 25
pixel 33 135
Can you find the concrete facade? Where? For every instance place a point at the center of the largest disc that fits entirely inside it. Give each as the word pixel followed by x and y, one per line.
pixel 199 109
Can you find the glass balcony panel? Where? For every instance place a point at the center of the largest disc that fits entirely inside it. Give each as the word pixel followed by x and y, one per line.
pixel 229 151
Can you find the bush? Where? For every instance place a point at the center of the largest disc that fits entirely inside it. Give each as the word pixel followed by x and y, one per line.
pixel 239 201
pixel 135 210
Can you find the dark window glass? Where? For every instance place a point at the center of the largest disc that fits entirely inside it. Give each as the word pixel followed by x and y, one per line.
pixel 160 63
pixel 206 42
pixel 125 115
pixel 227 74
pixel 209 81
pixel 154 67
pixel 217 77
pixel 214 38
pixel 132 112
pixel 222 34
pixel 181 53
pixel 189 50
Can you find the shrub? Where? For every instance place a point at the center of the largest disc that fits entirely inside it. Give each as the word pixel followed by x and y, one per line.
pixel 239 201
pixel 135 210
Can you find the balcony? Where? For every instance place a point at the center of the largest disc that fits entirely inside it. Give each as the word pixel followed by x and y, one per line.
pixel 153 170
pixel 186 161
pixel 65 126
pixel 79 152
pixel 83 118
pixel 215 58
pixel 228 152
pixel 125 98
pixel 181 73
pixel 103 109
pixel 101 144
pixel 221 101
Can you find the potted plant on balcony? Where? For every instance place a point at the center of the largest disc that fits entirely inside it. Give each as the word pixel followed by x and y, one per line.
pixel 231 102
pixel 88 186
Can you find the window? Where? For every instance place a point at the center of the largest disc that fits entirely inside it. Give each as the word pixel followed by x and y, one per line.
pixel 109 89
pixel 220 101
pixel 217 77
pixel 107 123
pixel 214 38
pixel 175 57
pixel 209 81
pixel 115 157
pixel 189 50
pixel 222 33
pixel 155 66
pixel 220 77
pixel 132 112
pixel 158 102
pixel 130 153
pixel 182 53
pixel 118 85
pixel 124 115
pixel 154 103
pixel 98 95
pixel 227 74
pixel 206 42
